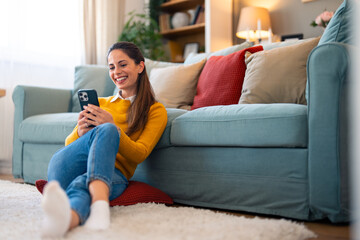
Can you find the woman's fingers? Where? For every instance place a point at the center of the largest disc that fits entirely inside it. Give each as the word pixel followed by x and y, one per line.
pixel 83 126
pixel 93 109
pixel 97 116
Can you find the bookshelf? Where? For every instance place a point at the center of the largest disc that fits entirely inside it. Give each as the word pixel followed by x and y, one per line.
pixel 179 5
pixel 190 29
pixel 179 37
pixel 212 29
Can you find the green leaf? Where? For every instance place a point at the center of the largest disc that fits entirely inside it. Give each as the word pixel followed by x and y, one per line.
pixel 143 31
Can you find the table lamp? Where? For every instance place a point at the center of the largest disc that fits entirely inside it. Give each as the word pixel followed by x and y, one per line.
pixel 254 24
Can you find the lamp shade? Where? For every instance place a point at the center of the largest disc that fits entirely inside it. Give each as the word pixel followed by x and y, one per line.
pixel 254 23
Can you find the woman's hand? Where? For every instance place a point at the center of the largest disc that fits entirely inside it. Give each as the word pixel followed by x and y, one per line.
pixel 92 115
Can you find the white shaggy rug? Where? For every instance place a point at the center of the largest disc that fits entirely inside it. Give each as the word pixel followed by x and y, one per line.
pixel 21 215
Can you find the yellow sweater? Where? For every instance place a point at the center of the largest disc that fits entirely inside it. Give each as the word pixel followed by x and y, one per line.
pixel 134 149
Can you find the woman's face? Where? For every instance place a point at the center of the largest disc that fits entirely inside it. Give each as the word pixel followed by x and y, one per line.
pixel 124 72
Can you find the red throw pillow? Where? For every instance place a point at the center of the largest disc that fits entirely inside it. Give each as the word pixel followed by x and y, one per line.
pixel 136 192
pixel 221 80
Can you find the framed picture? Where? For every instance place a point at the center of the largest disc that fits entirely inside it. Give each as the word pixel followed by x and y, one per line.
pixel 297 36
pixel 190 48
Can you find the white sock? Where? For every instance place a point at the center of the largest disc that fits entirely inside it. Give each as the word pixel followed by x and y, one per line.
pixel 99 218
pixel 57 211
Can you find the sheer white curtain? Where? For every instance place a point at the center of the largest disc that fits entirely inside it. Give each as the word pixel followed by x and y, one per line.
pixel 39 45
pixel 41 41
pixel 102 24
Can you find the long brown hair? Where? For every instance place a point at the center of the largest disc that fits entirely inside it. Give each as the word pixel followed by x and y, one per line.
pixel 139 109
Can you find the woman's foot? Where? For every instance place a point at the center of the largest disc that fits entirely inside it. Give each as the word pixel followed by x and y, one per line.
pixel 99 218
pixel 57 211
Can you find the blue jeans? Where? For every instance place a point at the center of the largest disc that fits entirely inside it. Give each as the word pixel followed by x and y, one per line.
pixel 91 157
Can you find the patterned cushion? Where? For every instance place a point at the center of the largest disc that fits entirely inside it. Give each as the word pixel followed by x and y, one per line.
pixel 221 80
pixel 136 192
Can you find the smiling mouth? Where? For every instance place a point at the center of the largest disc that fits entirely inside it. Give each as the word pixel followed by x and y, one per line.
pixel 121 79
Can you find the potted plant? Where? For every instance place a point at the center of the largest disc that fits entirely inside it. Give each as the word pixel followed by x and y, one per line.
pixel 143 31
pixel 323 19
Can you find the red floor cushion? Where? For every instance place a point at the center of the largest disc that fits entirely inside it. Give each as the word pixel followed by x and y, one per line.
pixel 136 192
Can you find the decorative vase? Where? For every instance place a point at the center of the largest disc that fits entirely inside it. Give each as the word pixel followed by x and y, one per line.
pixel 180 19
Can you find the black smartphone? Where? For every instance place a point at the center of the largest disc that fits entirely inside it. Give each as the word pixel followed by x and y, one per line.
pixel 88 96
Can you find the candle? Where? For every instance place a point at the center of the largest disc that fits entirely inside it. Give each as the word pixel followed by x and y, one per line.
pixel 259 27
pixel 270 35
pixel 247 35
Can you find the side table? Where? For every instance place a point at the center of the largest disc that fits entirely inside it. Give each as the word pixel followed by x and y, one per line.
pixel 2 92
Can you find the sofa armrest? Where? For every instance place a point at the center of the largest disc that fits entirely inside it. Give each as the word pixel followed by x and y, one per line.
pixel 38 100
pixel 31 101
pixel 327 73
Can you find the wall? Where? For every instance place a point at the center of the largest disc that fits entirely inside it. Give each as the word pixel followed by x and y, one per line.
pixel 137 5
pixel 218 31
pixel 288 16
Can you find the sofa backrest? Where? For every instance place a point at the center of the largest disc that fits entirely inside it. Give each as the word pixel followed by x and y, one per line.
pixel 91 76
pixel 339 28
pixel 97 77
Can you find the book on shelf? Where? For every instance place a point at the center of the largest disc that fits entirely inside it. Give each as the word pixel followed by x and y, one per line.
pixel 196 14
pixel 201 16
pixel 164 22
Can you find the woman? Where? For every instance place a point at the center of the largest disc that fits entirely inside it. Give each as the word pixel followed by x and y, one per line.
pixel 97 162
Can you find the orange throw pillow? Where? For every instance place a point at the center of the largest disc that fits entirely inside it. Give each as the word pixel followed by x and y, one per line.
pixel 221 80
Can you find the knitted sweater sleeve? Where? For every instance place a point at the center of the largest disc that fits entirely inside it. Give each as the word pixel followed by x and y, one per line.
pixel 72 136
pixel 137 151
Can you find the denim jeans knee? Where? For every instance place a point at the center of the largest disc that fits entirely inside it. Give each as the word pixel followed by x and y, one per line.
pixel 102 153
pixel 90 157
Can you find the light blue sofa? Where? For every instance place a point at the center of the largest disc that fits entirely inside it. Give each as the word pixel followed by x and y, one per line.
pixel 288 160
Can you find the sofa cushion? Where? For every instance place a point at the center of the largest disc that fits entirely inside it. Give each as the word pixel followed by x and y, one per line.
pixel 242 125
pixel 172 113
pixel 221 80
pixel 54 128
pixel 197 57
pixel 340 25
pixel 91 77
pixel 175 86
pixel 47 128
pixel 277 75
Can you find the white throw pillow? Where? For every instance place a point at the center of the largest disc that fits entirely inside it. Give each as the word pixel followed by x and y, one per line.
pixel 151 64
pixel 175 86
pixel 196 57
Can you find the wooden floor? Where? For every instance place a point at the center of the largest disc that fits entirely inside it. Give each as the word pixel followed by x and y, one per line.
pixel 324 230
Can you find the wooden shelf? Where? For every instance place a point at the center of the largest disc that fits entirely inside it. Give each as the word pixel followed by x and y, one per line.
pixel 187 30
pixel 180 5
pixel 179 37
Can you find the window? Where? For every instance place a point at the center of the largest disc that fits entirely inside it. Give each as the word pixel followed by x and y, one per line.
pixel 45 32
